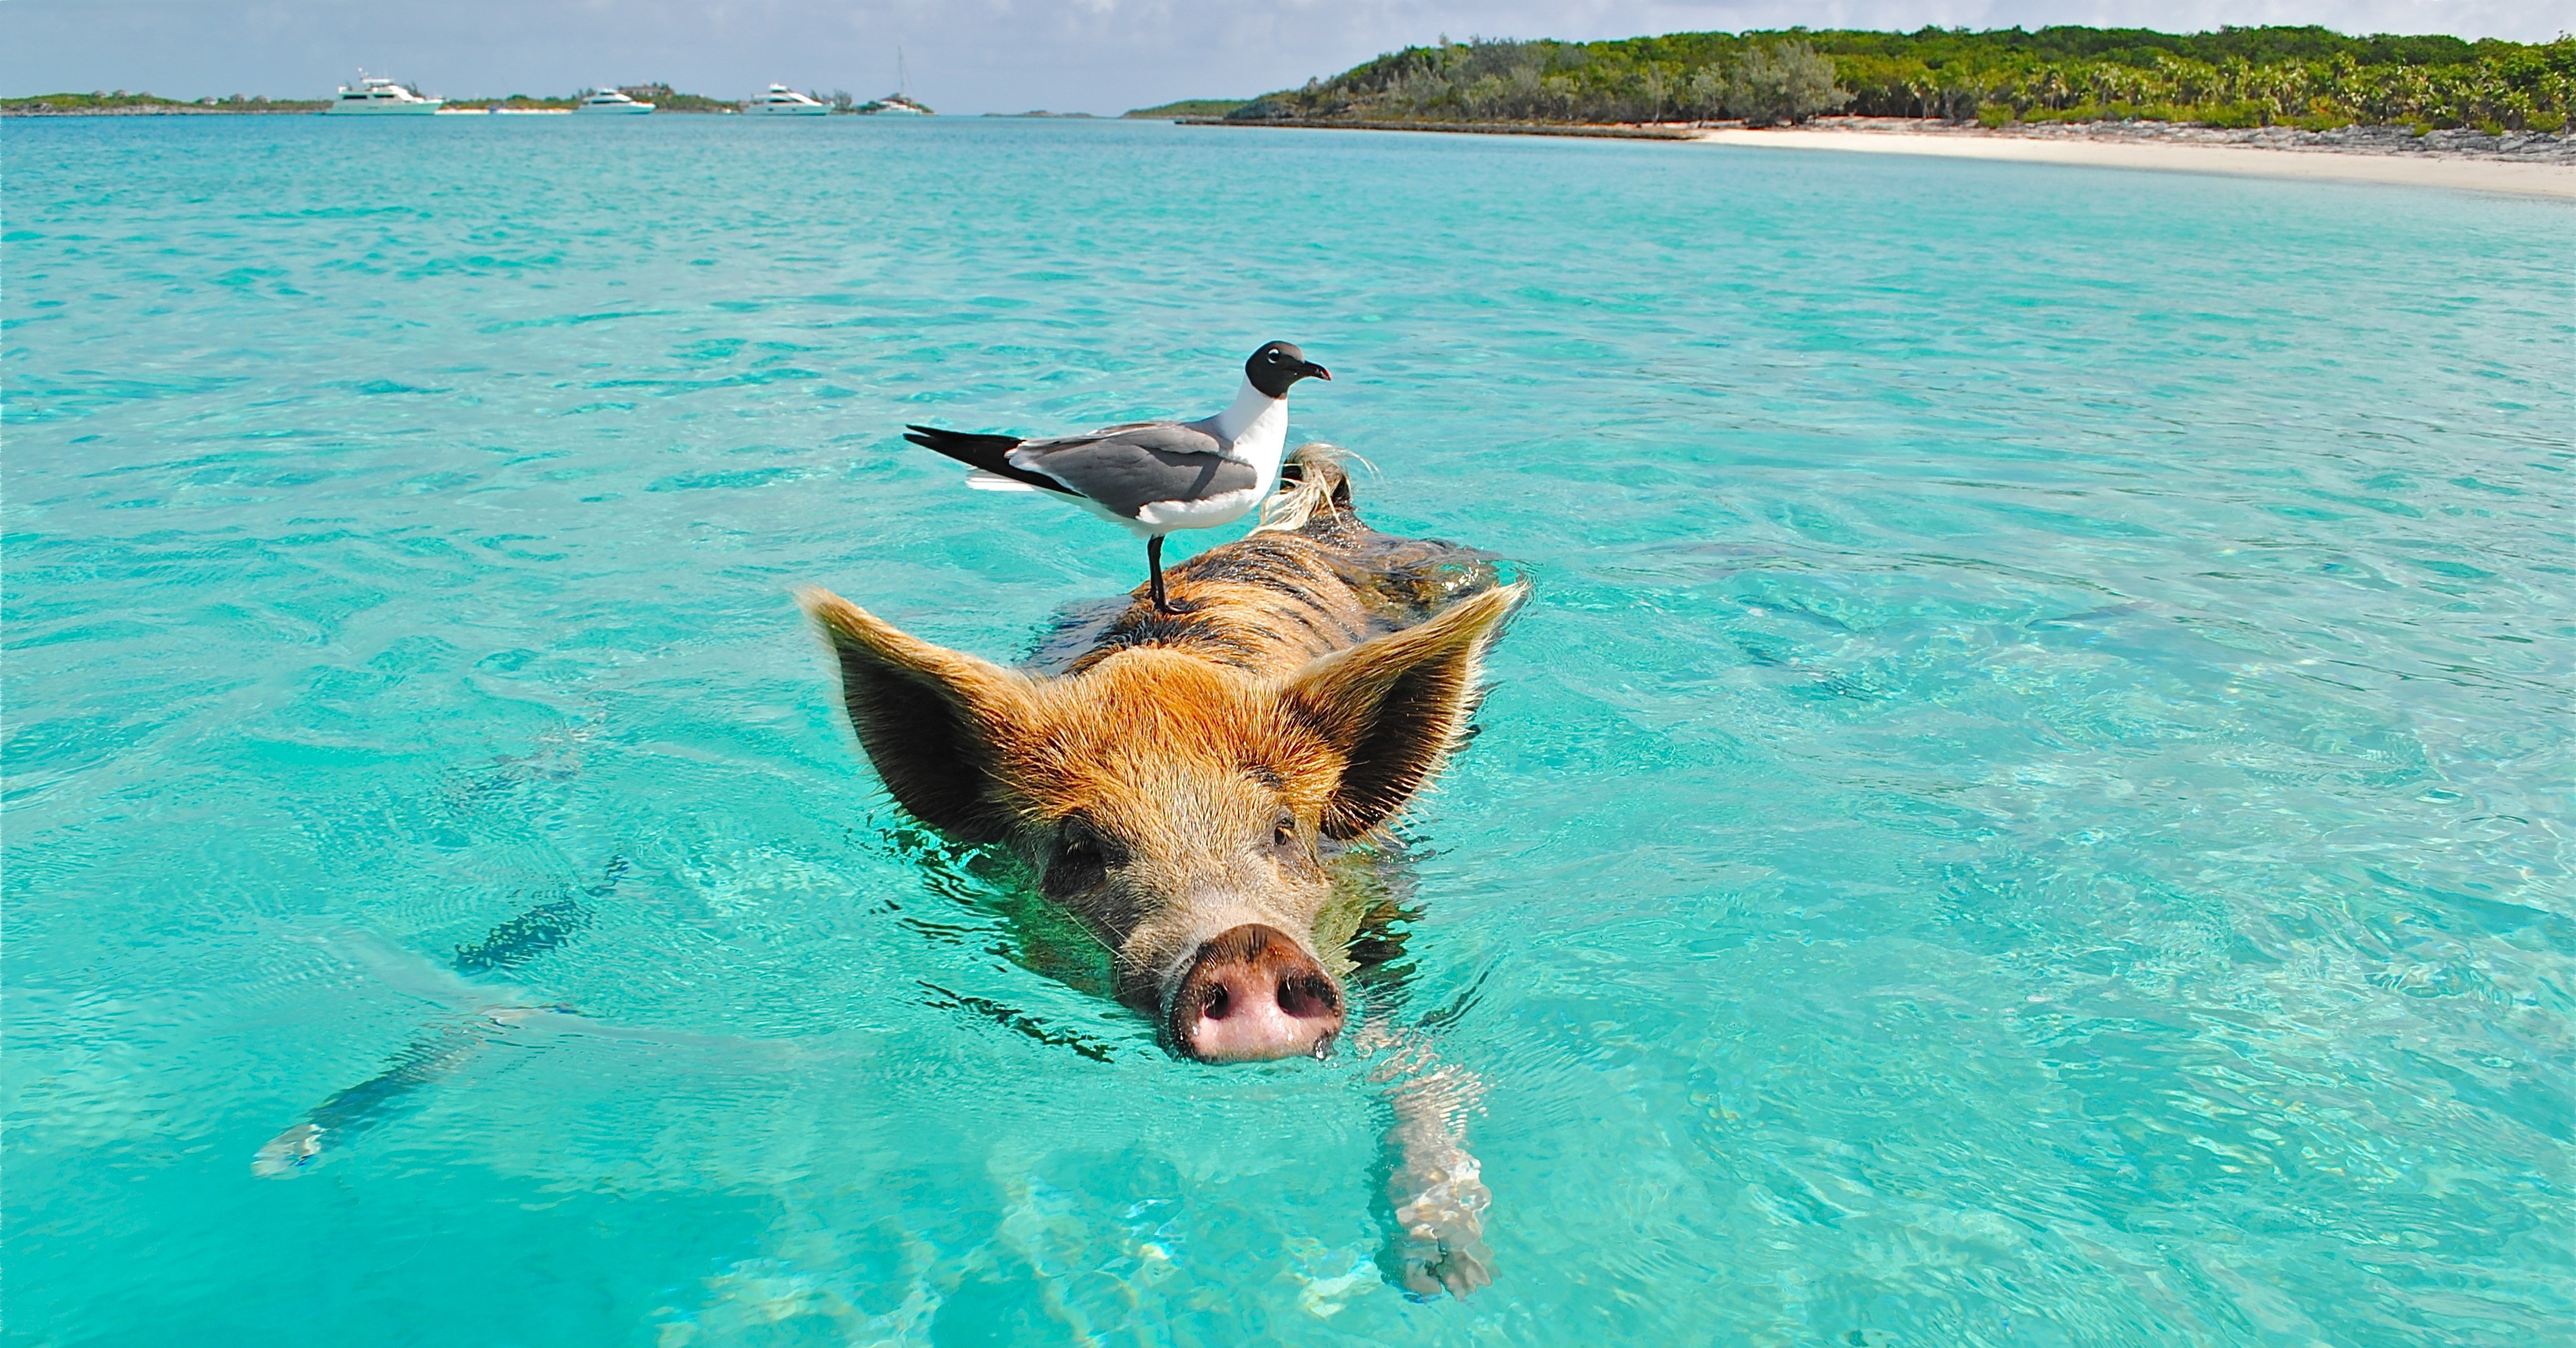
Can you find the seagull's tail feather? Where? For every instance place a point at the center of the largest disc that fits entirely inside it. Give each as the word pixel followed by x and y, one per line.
pixel 986 453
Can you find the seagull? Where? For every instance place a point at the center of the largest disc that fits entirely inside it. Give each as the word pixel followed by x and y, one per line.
pixel 1153 477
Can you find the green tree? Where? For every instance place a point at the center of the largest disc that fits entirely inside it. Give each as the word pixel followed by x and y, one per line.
pixel 2236 76
pixel 1784 83
pixel 1706 90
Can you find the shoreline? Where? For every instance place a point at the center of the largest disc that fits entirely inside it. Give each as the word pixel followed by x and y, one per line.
pixel 2522 165
pixel 1575 130
pixel 162 110
pixel 2367 155
pixel 2525 165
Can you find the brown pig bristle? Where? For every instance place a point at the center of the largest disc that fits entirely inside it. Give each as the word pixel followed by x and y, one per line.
pixel 1176 785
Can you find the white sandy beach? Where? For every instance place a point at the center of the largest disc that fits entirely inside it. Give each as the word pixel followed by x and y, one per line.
pixel 2465 174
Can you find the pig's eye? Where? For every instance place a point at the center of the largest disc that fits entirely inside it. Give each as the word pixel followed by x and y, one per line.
pixel 1284 833
pixel 1081 861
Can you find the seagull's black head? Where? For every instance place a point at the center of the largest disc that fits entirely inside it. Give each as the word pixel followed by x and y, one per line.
pixel 1276 366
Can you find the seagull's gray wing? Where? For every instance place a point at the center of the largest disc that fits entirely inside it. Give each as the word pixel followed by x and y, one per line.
pixel 1125 468
pixel 1178 437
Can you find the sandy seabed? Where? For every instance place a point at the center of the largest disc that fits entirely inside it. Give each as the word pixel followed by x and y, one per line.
pixel 2549 175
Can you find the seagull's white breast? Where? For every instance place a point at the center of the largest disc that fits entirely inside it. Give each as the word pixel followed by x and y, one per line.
pixel 1205 513
pixel 1263 442
pixel 1254 429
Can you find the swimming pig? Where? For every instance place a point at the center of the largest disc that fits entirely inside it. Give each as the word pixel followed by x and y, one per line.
pixel 1184 784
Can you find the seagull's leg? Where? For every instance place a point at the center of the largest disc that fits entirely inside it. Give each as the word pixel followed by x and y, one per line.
pixel 1154 569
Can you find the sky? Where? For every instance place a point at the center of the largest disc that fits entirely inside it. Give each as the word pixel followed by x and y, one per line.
pixel 969 56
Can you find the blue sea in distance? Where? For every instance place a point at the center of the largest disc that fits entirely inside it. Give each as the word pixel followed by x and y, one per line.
pixel 2030 805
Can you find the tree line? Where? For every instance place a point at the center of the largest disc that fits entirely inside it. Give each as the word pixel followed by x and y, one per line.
pixel 662 96
pixel 2309 77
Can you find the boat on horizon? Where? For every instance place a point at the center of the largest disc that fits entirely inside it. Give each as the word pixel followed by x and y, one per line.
pixel 781 101
pixel 607 99
pixel 900 103
pixel 377 97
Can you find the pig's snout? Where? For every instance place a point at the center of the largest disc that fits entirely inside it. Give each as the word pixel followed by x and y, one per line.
pixel 1251 994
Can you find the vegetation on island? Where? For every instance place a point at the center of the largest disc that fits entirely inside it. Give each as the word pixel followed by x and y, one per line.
pixel 121 101
pixel 661 96
pixel 515 103
pixel 665 99
pixel 2236 77
pixel 1187 107
pixel 1787 82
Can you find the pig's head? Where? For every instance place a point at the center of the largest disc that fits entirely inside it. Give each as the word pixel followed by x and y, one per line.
pixel 1181 809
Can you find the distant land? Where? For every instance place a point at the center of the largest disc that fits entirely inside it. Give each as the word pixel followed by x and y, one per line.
pixel 2309 78
pixel 665 99
pixel 121 103
pixel 76 105
pixel 1187 107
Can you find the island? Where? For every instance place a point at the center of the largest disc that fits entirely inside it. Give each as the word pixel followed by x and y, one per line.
pixel 1187 107
pixel 2307 78
pixel 123 104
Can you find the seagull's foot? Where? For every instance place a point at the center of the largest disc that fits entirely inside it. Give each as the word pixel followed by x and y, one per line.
pixel 1154 574
pixel 1161 595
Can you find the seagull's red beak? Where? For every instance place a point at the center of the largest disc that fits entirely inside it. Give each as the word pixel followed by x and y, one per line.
pixel 1315 371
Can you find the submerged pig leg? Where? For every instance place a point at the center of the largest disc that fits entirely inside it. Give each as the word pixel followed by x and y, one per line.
pixel 339 1120
pixel 1432 1188
pixel 1435 1191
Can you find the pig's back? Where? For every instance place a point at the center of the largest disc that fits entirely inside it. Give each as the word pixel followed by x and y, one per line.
pixel 1316 582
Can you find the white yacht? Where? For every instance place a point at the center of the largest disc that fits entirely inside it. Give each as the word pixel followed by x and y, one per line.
pixel 381 98
pixel 782 101
pixel 611 100
pixel 900 103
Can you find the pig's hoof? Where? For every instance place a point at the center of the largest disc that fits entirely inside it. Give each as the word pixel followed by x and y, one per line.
pixel 287 1151
pixel 1442 1248
pixel 1457 1267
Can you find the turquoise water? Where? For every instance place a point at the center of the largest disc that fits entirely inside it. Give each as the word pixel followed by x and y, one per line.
pixel 2030 806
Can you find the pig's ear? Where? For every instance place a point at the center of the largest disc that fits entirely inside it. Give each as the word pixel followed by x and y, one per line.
pixel 928 716
pixel 1395 706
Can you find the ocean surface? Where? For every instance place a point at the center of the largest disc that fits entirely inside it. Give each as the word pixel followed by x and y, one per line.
pixel 2030 805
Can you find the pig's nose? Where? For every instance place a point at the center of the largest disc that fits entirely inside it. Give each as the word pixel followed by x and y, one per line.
pixel 1252 994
